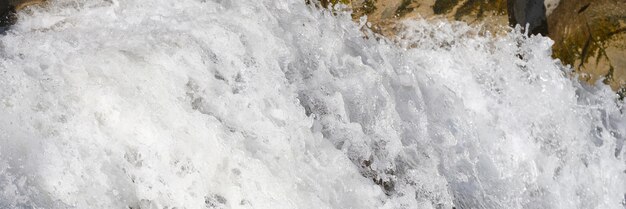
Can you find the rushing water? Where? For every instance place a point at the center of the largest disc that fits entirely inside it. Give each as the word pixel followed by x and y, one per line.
pixel 274 104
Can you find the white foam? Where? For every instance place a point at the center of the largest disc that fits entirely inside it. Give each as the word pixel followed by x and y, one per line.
pixel 273 104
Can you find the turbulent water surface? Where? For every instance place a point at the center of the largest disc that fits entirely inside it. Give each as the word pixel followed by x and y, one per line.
pixel 274 104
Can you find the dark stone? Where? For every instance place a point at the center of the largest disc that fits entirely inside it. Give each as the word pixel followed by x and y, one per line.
pixel 528 12
pixel 7 14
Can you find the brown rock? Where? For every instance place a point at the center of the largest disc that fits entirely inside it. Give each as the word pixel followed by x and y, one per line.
pixel 21 4
pixel 590 35
pixel 384 15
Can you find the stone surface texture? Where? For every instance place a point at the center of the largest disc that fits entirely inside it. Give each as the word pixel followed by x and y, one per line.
pixel 590 35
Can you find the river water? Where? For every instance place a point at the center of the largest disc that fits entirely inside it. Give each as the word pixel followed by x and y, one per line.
pixel 274 104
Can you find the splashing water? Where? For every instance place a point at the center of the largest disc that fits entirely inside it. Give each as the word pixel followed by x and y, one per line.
pixel 273 104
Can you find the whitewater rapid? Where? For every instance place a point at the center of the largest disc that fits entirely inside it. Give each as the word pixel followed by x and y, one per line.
pixel 275 104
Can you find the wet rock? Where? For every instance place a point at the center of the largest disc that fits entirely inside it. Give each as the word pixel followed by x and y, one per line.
pixel 21 4
pixel 530 14
pixel 384 15
pixel 590 35
pixel 7 14
pixel 9 7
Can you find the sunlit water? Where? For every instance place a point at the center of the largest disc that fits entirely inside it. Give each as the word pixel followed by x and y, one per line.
pixel 274 104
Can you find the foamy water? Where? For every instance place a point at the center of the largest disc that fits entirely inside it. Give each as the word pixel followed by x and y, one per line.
pixel 273 104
